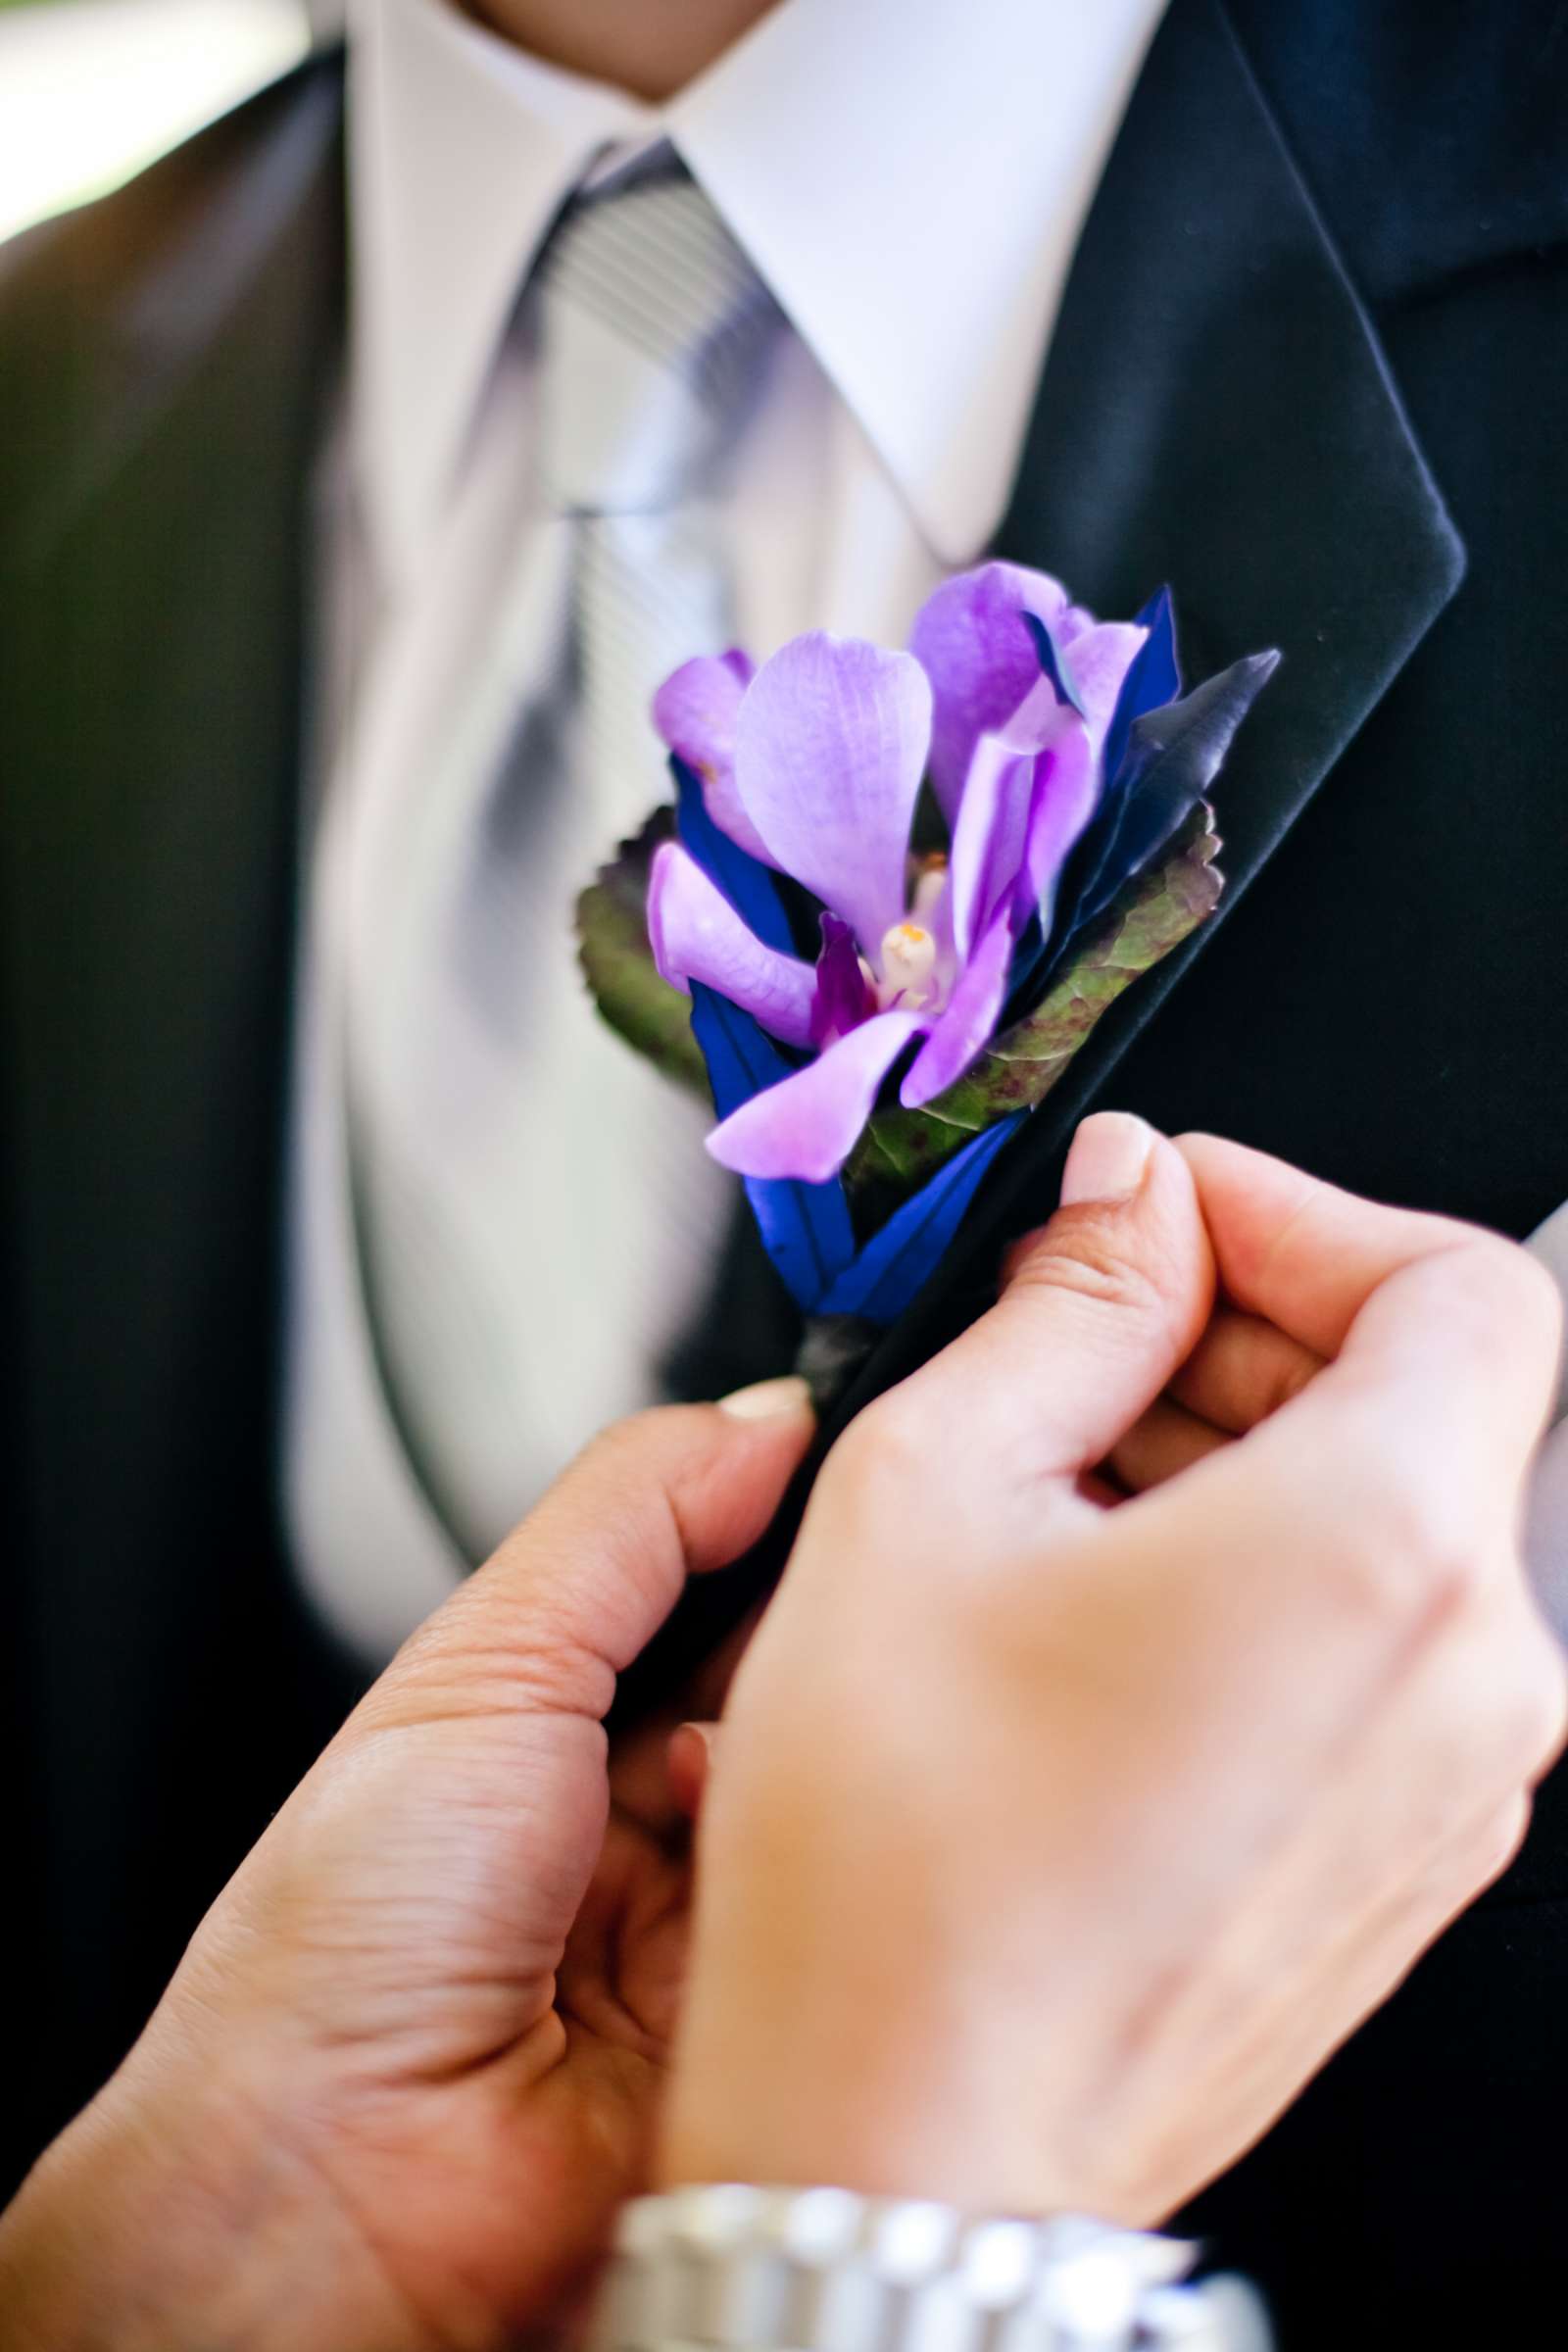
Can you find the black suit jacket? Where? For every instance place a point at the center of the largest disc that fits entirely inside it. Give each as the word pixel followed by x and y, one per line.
pixel 1309 368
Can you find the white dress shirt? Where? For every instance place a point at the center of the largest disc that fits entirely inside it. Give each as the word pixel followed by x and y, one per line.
pixel 910 177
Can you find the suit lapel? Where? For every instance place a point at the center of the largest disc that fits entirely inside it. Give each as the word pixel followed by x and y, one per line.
pixel 165 357
pixel 1216 413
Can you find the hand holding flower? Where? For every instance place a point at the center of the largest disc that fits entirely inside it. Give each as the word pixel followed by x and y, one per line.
pixel 1062 1842
pixel 1049 1849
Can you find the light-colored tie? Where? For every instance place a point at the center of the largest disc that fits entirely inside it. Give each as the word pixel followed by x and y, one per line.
pixel 654 332
pixel 536 1218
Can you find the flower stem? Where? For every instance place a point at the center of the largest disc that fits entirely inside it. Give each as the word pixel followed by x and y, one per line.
pixel 833 1349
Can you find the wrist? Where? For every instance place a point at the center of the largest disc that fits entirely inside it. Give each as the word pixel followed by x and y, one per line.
pixel 893 2081
pixel 844 2021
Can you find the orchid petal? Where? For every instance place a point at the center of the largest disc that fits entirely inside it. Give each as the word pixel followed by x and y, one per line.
pixel 1065 795
pixel 696 934
pixel 695 711
pixel 990 837
pixel 937 916
pixel 970 640
pixel 1069 625
pixel 807 1125
pixel 964 1030
pixel 830 748
pixel 1100 660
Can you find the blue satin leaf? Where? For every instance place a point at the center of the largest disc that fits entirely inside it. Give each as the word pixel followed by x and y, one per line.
pixel 742 1059
pixel 806 1228
pixel 1052 663
pixel 1154 678
pixel 744 879
pixel 1173 755
pixel 897 1263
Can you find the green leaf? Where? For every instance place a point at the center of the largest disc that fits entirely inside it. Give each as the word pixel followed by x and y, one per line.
pixel 618 962
pixel 900 1148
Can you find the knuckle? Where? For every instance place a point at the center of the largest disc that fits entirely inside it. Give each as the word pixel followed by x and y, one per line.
pixel 1082 1255
pixel 889 1443
pixel 1498 1707
pixel 1509 1299
pixel 612 1448
pixel 1537 1710
pixel 606 1469
pixel 622 1447
pixel 1410 1554
pixel 1521 1286
pixel 1494 1845
pixel 628 1481
pixel 1539 1308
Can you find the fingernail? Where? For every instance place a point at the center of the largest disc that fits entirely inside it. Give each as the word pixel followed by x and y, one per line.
pixel 766 1398
pixel 1109 1153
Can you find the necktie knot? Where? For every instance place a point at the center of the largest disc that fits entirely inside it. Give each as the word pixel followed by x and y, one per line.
pixel 653 328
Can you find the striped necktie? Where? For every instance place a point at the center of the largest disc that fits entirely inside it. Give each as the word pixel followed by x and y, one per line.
pixel 535 1217
pixel 652 326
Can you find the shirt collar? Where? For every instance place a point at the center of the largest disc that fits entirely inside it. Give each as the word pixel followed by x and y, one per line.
pixel 911 180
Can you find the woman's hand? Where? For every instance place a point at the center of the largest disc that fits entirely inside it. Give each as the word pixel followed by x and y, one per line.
pixel 408 2067
pixel 1050 1848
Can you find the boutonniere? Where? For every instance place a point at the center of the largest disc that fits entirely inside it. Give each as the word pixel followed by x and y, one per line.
pixel 895 893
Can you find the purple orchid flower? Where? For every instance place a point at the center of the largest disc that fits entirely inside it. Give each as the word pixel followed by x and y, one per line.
pixel 812 766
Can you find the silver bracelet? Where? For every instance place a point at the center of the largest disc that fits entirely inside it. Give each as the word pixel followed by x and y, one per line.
pixel 738 2269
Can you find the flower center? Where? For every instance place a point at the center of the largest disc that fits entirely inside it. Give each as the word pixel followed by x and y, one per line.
pixel 908 956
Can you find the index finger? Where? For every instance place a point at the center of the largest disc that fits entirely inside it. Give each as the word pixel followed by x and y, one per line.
pixel 1461 1323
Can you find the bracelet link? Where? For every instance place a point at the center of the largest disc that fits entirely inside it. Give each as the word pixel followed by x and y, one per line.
pixel 736 2267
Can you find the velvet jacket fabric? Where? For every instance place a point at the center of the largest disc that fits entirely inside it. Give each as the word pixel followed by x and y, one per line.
pixel 1311 370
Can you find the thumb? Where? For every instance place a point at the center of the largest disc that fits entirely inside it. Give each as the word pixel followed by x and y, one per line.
pixel 585 1581
pixel 1097 1308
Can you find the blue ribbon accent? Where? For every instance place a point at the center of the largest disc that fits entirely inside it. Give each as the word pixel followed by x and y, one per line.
pixel 897 1263
pixel 1173 755
pixel 806 1228
pixel 1154 678
pixel 1052 662
pixel 744 879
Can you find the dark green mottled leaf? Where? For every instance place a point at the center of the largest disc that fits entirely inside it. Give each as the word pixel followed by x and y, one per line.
pixel 900 1148
pixel 619 964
